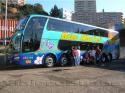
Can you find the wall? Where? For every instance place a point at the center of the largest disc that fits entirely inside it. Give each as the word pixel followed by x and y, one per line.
pixel 122 52
pixel 11 23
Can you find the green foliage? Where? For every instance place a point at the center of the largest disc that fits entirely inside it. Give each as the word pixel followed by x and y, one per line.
pixel 31 9
pixel 25 10
pixel 28 9
pixel 38 8
pixel 2 7
pixel 56 12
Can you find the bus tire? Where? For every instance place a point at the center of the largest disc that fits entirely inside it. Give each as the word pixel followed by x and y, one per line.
pixel 49 60
pixel 104 58
pixel 63 60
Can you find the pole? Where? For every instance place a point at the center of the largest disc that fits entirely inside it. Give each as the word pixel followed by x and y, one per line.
pixel 0 7
pixel 6 27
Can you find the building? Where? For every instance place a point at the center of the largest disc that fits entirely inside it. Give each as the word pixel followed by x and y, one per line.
pixel 102 19
pixel 85 17
pixel 11 24
pixel 109 19
pixel 85 5
pixel 66 14
pixel 86 13
pixel 18 2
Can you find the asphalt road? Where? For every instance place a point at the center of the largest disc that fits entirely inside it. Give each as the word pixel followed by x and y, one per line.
pixel 108 78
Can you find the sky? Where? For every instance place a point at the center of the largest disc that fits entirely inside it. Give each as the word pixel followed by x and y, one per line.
pixel 107 5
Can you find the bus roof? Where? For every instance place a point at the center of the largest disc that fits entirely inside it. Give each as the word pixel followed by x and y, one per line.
pixel 110 30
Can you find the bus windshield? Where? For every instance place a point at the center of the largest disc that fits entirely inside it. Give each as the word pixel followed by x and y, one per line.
pixel 33 33
pixel 21 24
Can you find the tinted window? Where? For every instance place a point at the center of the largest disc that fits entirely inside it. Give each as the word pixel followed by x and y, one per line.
pixel 63 26
pixel 102 33
pixel 33 34
pixel 68 27
pixel 55 25
pixel 21 24
pixel 95 31
pixel 58 25
pixel 86 30
pixel 67 45
pixel 17 44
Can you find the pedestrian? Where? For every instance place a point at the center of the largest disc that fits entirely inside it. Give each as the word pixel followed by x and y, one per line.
pixel 70 57
pixel 87 56
pixel 92 54
pixel 73 55
pixel 76 55
pixel 98 53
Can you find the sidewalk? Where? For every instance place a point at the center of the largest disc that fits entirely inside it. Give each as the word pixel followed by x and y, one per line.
pixel 2 49
pixel 122 52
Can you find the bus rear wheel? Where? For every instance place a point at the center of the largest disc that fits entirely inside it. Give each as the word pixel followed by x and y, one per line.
pixel 49 61
pixel 63 60
pixel 104 58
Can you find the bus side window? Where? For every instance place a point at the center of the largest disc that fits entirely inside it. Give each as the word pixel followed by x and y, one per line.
pixel 103 33
pixel 81 29
pixel 51 25
pixel 68 27
pixel 59 25
pixel 55 25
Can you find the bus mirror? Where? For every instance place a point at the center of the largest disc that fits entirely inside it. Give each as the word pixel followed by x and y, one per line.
pixel 19 34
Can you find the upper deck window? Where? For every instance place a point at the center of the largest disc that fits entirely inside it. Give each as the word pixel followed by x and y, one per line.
pixel 58 25
pixel 64 26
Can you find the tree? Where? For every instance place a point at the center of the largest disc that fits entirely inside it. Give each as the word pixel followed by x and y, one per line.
pixel 31 9
pixel 56 12
pixel 15 11
pixel 38 9
pixel 27 9
pixel 2 7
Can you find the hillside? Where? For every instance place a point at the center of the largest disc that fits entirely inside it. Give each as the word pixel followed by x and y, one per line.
pixel 15 11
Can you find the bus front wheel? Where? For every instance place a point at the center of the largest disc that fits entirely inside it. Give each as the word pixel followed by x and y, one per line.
pixel 49 61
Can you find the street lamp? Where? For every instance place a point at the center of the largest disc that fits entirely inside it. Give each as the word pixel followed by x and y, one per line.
pixel 6 27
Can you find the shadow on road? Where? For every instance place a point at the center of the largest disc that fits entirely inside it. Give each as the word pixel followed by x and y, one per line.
pixel 15 67
pixel 118 65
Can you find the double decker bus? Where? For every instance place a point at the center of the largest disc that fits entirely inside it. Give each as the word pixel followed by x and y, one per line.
pixel 44 40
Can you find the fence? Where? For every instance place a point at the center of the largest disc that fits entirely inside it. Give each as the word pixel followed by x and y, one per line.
pixel 11 24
